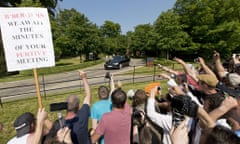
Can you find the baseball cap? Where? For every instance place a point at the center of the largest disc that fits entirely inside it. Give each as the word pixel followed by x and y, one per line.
pixel 22 124
pixel 210 80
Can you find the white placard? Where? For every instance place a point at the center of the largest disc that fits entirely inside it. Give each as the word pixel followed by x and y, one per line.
pixel 27 38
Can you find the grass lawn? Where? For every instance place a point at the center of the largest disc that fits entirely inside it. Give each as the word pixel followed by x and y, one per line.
pixel 11 110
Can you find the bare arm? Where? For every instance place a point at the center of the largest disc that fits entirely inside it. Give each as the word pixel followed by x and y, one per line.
pixel 112 85
pixel 87 99
pixel 205 67
pixel 218 64
pixel 205 119
pixel 168 69
pixel 187 69
pixel 135 134
pixel 95 137
pixel 227 104
pixel 41 116
pixel 94 124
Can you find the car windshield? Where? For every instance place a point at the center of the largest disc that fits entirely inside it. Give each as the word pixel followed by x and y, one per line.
pixel 116 59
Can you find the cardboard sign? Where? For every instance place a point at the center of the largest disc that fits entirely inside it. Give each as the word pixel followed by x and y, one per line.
pixel 27 38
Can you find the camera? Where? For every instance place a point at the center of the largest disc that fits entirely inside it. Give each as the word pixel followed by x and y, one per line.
pixel 173 76
pixel 58 106
pixel 159 88
pixel 196 60
pixel 138 114
pixel 138 117
pixel 177 117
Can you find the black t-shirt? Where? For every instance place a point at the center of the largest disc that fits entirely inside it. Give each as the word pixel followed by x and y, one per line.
pixel 79 126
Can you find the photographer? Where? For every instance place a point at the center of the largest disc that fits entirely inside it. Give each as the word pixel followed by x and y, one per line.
pixel 162 120
pixel 115 126
pixel 144 130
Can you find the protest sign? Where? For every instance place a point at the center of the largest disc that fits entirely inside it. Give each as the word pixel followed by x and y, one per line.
pixel 27 38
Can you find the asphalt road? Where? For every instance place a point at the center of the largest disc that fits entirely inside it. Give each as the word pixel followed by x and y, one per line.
pixel 65 81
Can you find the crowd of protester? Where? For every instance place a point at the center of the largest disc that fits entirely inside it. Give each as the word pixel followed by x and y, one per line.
pixel 201 106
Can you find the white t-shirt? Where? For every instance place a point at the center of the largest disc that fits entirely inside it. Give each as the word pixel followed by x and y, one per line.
pixel 19 140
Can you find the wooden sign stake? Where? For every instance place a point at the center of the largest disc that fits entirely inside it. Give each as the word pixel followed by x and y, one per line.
pixel 37 88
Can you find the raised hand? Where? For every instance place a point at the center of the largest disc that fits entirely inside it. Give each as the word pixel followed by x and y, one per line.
pixel 82 74
pixel 216 56
pixel 178 60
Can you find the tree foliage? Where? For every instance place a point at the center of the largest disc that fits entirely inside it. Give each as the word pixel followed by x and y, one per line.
pixel 113 43
pixel 170 34
pixel 212 25
pixel 143 39
pixel 74 34
pixel 49 4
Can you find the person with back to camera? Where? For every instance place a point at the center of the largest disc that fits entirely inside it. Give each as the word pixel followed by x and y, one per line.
pixel 77 119
pixel 102 106
pixel 162 120
pixel 27 128
pixel 143 129
pixel 115 126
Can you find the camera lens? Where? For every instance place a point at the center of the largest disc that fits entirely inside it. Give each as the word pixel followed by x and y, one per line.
pixel 159 88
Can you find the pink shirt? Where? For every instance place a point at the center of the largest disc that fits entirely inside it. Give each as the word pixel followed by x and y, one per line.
pixel 116 126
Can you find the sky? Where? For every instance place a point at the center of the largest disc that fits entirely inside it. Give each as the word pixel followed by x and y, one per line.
pixel 128 13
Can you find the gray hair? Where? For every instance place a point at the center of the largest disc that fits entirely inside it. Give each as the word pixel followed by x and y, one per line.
pixel 73 103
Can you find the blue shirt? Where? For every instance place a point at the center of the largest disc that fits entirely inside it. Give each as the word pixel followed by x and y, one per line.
pixel 98 109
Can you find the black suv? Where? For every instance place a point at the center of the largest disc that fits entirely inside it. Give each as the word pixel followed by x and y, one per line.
pixel 117 62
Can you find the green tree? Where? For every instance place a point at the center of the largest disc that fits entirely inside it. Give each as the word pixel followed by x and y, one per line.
pixel 110 29
pixel 111 32
pixel 143 40
pixel 75 34
pixel 49 4
pixel 170 34
pixel 212 25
